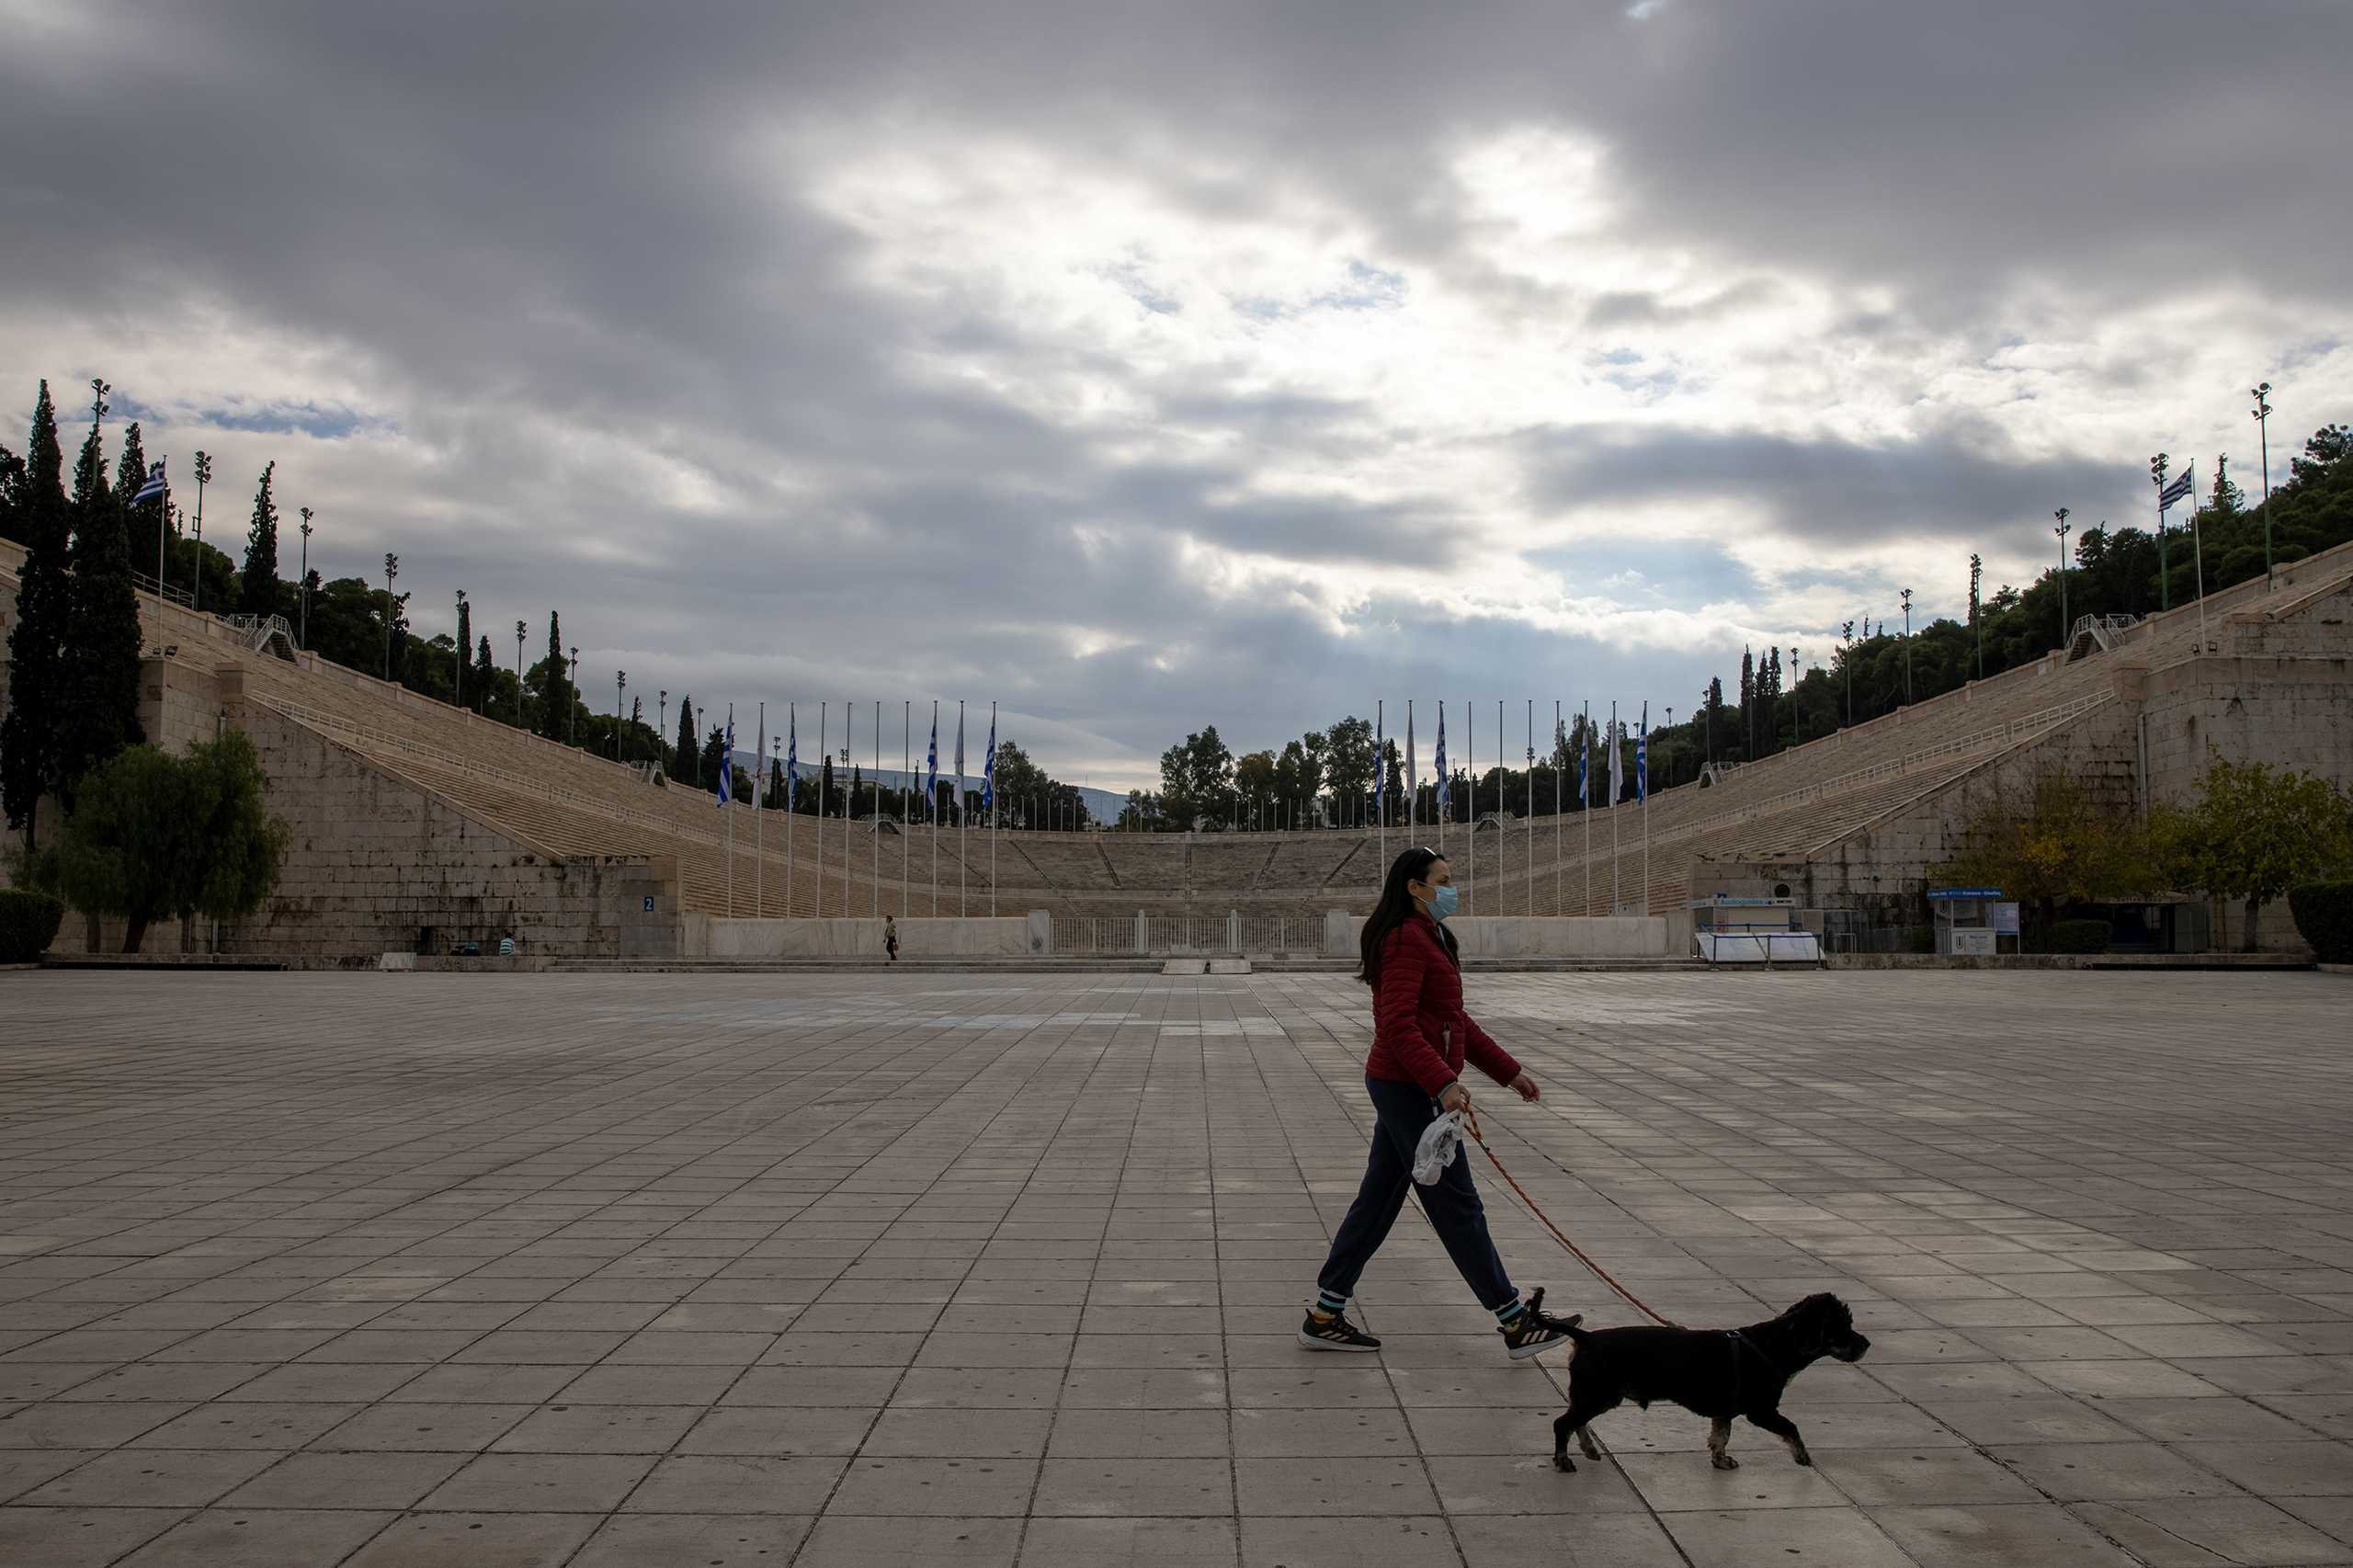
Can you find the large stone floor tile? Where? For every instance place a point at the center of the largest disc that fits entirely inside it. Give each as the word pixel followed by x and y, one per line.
pixel 259 1538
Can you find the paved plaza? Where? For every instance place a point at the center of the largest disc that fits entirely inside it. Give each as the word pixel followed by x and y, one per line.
pixel 993 1269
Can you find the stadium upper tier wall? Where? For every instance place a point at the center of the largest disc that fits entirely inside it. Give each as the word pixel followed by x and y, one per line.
pixel 414 821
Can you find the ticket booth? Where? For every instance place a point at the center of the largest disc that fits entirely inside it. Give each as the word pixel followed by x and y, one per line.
pixel 1969 921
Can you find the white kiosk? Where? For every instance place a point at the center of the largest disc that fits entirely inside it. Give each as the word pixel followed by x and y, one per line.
pixel 1725 929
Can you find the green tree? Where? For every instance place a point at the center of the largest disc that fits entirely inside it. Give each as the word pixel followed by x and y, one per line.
pixel 551 683
pixel 2256 830
pixel 153 836
pixel 102 639
pixel 37 675
pixel 1348 765
pixel 258 586
pixel 141 520
pixel 2054 844
pixel 682 758
pixel 465 642
pixel 12 489
pixel 1196 781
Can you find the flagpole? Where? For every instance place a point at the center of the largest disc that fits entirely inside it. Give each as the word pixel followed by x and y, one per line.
pixel 849 739
pixel 759 854
pixel 824 766
pixel 1531 806
pixel 931 795
pixel 792 788
pixel 906 772
pixel 960 862
pixel 1380 796
pixel 726 765
pixel 1642 780
pixel 993 809
pixel 1617 773
pixel 2198 554
pixel 1471 805
pixel 1585 807
pixel 874 817
pixel 1560 766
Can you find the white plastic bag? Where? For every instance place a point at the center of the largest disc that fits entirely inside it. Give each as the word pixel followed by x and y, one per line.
pixel 1441 1140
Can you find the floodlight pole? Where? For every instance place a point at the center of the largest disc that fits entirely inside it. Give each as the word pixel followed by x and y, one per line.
pixel 2263 421
pixel 391 572
pixel 2062 532
pixel 2157 466
pixel 302 636
pixel 1908 646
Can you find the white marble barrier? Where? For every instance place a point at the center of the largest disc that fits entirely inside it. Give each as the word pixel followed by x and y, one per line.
pixel 1535 937
pixel 1016 936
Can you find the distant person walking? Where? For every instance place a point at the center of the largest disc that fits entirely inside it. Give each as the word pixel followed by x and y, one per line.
pixel 1421 1040
pixel 891 936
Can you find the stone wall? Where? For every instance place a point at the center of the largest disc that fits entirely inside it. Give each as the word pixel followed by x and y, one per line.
pixel 375 864
pixel 1541 936
pixel 1003 937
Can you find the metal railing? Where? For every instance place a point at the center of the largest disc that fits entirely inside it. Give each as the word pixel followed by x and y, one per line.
pixel 165 591
pixel 257 631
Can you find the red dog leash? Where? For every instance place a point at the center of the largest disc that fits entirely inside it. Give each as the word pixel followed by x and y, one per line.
pixel 1470 1122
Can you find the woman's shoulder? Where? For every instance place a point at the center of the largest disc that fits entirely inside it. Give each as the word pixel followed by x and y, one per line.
pixel 1412 931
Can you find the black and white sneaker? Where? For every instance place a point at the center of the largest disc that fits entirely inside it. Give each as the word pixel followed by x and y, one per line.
pixel 1536 1331
pixel 1334 1333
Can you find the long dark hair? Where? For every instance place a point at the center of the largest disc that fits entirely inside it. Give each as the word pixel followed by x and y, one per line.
pixel 1396 907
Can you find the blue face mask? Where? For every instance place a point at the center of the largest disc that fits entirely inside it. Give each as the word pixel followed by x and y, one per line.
pixel 1444 902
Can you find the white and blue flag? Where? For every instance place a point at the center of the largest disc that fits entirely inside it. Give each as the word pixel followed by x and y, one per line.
pixel 931 769
pixel 1585 764
pixel 154 486
pixel 1379 774
pixel 1643 755
pixel 727 762
pixel 1445 785
pixel 2180 490
pixel 791 758
pixel 988 769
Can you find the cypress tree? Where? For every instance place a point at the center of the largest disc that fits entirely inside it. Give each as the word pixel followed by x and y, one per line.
pixel 484 676
pixel 684 757
pixel 139 522
pixel 465 642
pixel 555 689
pixel 260 595
pixel 36 643
pixel 100 713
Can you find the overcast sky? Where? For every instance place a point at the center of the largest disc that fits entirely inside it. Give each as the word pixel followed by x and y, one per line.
pixel 1147 366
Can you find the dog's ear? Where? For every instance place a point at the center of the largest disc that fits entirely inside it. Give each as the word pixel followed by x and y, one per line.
pixel 1815 1305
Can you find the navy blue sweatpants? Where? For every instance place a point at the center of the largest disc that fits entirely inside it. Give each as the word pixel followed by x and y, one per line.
pixel 1401 1112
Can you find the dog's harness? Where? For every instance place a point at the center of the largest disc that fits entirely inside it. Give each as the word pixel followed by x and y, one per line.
pixel 1739 1337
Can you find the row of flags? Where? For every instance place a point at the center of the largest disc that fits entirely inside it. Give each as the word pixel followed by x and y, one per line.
pixel 792 760
pixel 1614 739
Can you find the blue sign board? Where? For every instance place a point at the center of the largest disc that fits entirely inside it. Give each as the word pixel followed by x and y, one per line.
pixel 1964 893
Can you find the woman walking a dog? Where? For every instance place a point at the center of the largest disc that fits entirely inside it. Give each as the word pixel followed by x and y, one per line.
pixel 1422 1038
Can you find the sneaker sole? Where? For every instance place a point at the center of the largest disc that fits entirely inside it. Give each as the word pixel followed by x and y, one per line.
pixel 1529 1352
pixel 1314 1343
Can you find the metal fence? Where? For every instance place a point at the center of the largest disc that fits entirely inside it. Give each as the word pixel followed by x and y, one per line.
pixel 1186 936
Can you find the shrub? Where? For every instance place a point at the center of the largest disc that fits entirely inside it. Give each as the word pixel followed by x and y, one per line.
pixel 2079 936
pixel 28 921
pixel 1922 939
pixel 2323 912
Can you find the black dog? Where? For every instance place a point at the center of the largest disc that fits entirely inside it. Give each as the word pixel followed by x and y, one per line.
pixel 1716 1372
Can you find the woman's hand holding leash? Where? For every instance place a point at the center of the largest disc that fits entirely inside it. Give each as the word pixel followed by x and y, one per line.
pixel 1454 1097
pixel 1525 1087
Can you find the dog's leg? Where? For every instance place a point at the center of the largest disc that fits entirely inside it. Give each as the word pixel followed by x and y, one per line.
pixel 1561 1459
pixel 1718 1434
pixel 1781 1427
pixel 1585 1440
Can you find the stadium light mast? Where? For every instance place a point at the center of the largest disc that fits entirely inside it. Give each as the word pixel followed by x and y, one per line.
pixel 1908 646
pixel 518 675
pixel 2157 466
pixel 464 652
pixel 620 683
pixel 2263 422
pixel 203 478
pixel 2062 532
pixel 391 572
pixel 1796 680
pixel 302 636
pixel 662 742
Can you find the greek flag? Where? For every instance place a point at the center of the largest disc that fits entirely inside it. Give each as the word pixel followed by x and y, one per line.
pixel 1585 762
pixel 1643 755
pixel 960 762
pixel 153 487
pixel 988 769
pixel 727 764
pixel 2178 491
pixel 931 767
pixel 1380 773
pixel 791 758
pixel 1445 786
pixel 1617 756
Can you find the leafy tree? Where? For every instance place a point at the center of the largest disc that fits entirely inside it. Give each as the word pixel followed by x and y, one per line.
pixel 715 746
pixel 1196 781
pixel 2255 831
pixel 151 836
pixel 12 488
pixel 100 716
pixel 2055 843
pixel 259 584
pixel 1348 764
pixel 37 673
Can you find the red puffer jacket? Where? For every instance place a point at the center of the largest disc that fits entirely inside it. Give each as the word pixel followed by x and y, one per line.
pixel 1420 1033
